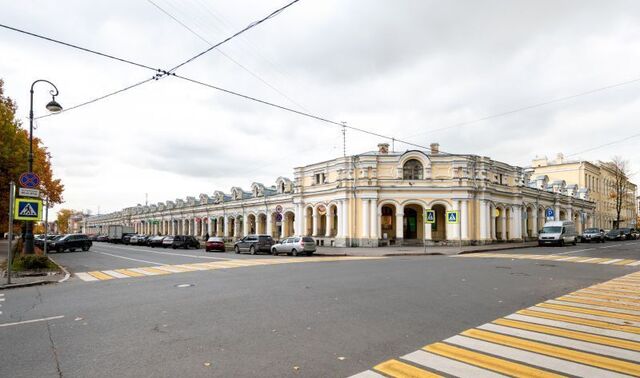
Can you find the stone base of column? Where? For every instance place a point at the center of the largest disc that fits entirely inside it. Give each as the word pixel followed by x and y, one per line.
pixel 366 242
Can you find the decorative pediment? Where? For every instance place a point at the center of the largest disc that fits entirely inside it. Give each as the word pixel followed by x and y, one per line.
pixel 161 206
pixel 284 185
pixel 180 202
pixel 191 201
pixel 237 193
pixel 171 205
pixel 218 196
pixel 204 199
pixel 257 189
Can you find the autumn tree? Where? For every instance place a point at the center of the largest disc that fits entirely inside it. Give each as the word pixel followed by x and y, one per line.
pixel 619 186
pixel 14 152
pixel 63 220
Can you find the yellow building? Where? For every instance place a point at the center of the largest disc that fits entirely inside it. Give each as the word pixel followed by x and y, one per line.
pixel 598 179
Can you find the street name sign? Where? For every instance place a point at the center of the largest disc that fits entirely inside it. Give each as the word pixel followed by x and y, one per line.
pixel 430 216
pixel 29 209
pixel 453 217
pixel 29 180
pixel 28 192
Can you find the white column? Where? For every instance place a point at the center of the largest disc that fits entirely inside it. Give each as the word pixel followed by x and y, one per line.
pixel 517 222
pixel 329 222
pixel 399 223
pixel 305 222
pixel 556 216
pixel 316 222
pixel 339 212
pixel 570 214
pixel 210 230
pixel 483 220
pixel 269 220
pixel 534 226
pixel 245 225
pixel 226 227
pixel 345 219
pixel 373 229
pixel 503 224
pixel 365 219
pixel 284 225
pixel 464 219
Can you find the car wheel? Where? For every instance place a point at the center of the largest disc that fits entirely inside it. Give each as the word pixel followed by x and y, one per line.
pixel 236 249
pixel 72 249
pixel 575 241
pixel 309 253
pixel 252 250
pixel 60 249
pixel 561 242
pixel 294 252
pixel 274 251
pixel 85 248
pixel 603 240
pixel 174 247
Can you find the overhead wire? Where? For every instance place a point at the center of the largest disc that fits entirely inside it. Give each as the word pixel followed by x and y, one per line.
pixel 250 26
pixel 198 35
pixel 606 144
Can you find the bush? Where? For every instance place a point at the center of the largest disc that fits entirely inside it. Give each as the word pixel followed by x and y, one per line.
pixel 32 262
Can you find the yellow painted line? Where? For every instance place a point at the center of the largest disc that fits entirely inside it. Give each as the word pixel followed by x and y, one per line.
pixel 214 266
pixel 398 369
pixel 581 259
pixel 129 273
pixel 618 293
pixel 612 298
pixel 574 320
pixel 556 257
pixel 573 258
pixel 487 362
pixel 171 269
pixel 604 340
pixel 557 352
pixel 580 310
pixel 626 283
pixel 624 262
pixel 101 276
pixel 598 303
pixel 599 260
pixel 619 286
pixel 153 270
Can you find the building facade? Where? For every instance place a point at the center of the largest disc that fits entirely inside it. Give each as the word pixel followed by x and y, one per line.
pixel 373 199
pixel 598 179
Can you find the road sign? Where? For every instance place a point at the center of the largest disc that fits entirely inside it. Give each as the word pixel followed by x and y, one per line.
pixel 279 209
pixel 453 217
pixel 549 213
pixel 430 216
pixel 28 192
pixel 29 180
pixel 278 217
pixel 28 209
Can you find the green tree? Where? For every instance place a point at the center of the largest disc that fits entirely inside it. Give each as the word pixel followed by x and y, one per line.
pixel 14 152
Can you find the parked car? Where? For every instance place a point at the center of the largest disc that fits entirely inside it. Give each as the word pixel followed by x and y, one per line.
pixel 184 241
pixel 593 234
pixel 126 238
pixel 155 241
pixel 295 245
pixel 214 244
pixel 615 234
pixel 167 241
pixel 142 240
pixel 93 237
pixel 254 243
pixel 70 242
pixel 103 238
pixel 558 232
pixel 635 233
pixel 39 242
pixel 629 233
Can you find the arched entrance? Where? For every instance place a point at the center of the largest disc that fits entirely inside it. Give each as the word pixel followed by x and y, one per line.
pixel 262 224
pixel 439 228
pixel 322 220
pixel 412 230
pixel 231 221
pixel 288 221
pixel 332 218
pixel 388 222
pixel 251 223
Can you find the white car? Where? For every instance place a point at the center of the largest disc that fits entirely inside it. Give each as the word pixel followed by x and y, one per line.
pixel 295 245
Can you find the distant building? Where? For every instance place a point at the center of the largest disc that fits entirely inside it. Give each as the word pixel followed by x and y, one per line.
pixel 597 179
pixel 373 198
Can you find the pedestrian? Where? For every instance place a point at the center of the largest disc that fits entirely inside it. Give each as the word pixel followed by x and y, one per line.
pixel 206 236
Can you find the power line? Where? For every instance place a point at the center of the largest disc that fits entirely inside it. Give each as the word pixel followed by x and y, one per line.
pixel 250 26
pixel 304 114
pixel 606 144
pixel 99 98
pixel 224 54
pixel 82 48
pixel 528 107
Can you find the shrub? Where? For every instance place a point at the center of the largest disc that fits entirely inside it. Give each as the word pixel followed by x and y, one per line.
pixel 32 262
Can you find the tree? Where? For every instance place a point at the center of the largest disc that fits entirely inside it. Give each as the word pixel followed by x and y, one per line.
pixel 619 186
pixel 63 220
pixel 14 152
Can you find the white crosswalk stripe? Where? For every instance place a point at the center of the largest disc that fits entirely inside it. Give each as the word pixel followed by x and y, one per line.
pixel 449 366
pixel 86 277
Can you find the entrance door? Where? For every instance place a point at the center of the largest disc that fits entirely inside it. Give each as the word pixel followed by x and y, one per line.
pixel 410 226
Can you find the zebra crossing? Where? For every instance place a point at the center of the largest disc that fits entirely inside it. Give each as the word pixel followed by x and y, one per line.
pixel 575 259
pixel 592 332
pixel 156 270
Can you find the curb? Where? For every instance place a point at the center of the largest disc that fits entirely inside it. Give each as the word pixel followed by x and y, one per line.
pixel 494 249
pixel 34 283
pixel 67 275
pixel 430 253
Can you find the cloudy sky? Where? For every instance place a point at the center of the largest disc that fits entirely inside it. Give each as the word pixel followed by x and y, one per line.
pixel 408 69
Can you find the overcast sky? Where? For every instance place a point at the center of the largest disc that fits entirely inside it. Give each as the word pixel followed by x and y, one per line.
pixel 399 68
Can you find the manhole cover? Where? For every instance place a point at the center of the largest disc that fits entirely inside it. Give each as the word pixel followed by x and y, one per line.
pixel 184 285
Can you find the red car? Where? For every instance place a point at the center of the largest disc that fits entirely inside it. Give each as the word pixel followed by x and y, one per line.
pixel 214 244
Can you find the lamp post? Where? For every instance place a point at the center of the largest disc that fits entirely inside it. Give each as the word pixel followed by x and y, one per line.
pixel 53 107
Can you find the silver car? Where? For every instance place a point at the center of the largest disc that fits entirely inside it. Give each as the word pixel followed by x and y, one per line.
pixel 295 245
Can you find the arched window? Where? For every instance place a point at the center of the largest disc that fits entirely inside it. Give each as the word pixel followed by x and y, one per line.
pixel 412 170
pixel 282 187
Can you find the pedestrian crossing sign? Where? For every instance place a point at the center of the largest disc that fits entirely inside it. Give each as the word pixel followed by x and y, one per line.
pixel 430 216
pixel 453 217
pixel 28 209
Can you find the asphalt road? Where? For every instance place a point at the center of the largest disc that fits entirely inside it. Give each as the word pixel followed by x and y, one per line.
pixel 312 319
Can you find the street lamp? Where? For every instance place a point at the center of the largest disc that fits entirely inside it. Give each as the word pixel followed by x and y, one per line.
pixel 53 107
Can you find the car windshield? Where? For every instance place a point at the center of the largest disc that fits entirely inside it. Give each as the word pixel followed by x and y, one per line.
pixel 591 230
pixel 307 239
pixel 614 231
pixel 552 230
pixel 215 239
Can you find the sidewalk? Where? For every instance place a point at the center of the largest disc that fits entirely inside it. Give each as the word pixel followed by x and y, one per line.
pixel 24 280
pixel 419 251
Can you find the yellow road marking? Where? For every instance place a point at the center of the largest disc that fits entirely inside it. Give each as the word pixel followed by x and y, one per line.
pixel 604 340
pixel 129 273
pixel 153 270
pixel 588 322
pixel 613 298
pixel 487 362
pixel 599 303
pixel 624 262
pixel 581 310
pixel 395 368
pixel 627 283
pixel 599 260
pixel 614 285
pixel 555 351
pixel 101 276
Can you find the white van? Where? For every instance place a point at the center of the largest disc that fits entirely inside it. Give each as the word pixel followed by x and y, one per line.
pixel 558 232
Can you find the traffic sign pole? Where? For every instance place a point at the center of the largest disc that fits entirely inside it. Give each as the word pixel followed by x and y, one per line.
pixel 46 225
pixel 12 193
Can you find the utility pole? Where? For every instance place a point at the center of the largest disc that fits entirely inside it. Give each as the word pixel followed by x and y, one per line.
pixel 344 139
pixel 146 199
